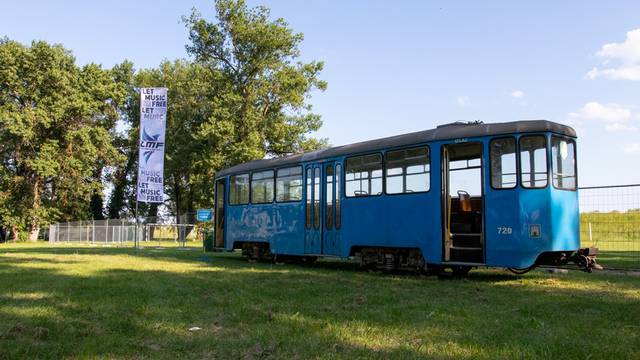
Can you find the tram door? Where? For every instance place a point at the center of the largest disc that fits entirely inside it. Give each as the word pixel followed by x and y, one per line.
pixel 332 208
pixel 463 203
pixel 219 214
pixel 313 210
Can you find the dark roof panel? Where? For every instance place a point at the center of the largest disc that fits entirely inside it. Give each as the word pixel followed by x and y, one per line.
pixel 443 132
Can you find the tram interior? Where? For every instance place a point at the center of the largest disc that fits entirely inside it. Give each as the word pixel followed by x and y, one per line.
pixel 464 239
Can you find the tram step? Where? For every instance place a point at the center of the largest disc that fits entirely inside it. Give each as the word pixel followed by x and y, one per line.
pixel 466 240
pixel 466 234
pixel 457 227
pixel 465 248
pixel 466 255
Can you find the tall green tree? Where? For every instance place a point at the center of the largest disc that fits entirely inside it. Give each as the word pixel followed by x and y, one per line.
pixel 261 108
pixel 56 124
pixel 243 97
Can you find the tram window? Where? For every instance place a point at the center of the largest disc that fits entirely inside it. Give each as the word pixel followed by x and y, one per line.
pixel 262 187
pixel 316 199
pixel 563 163
pixel 407 171
pixel 239 189
pixel 503 163
pixel 328 212
pixel 289 184
pixel 309 194
pixel 533 161
pixel 338 192
pixel 364 176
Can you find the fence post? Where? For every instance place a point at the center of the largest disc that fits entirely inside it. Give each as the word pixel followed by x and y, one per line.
pixel 93 232
pixel 68 233
pixel 590 235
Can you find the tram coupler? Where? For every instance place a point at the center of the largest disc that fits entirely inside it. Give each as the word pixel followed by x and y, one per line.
pixel 585 258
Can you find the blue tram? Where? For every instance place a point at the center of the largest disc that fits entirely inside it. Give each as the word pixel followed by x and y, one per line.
pixel 459 196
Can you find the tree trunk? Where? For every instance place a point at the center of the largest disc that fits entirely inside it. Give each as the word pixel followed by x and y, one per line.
pixel 117 201
pixel 152 216
pixel 35 221
pixel 14 233
pixel 33 234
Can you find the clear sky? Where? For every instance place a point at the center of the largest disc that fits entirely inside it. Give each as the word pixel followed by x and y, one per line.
pixel 400 66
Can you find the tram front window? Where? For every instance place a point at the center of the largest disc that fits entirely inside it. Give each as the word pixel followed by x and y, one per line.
pixel 563 163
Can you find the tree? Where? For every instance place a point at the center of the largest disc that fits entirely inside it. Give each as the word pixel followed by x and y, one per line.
pixel 244 97
pixel 56 121
pixel 262 105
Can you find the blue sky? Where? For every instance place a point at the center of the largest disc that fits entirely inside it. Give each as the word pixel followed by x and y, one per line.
pixel 395 67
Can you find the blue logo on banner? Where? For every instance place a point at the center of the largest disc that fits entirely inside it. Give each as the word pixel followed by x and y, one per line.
pixel 149 144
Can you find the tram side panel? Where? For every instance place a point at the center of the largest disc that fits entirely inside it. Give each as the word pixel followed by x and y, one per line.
pixel 281 225
pixel 393 221
pixel 565 220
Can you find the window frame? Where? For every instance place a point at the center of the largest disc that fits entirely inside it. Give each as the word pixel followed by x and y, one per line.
pixel 517 155
pixel 404 175
pixel 575 163
pixel 230 185
pixel 382 168
pixel 308 197
pixel 317 200
pixel 273 184
pixel 546 147
pixel 302 184
pixel 329 211
pixel 338 182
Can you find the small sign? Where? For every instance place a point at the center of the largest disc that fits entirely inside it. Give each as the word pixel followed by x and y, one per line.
pixel 204 215
pixel 534 230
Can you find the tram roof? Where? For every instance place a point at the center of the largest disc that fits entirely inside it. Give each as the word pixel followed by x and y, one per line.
pixel 451 131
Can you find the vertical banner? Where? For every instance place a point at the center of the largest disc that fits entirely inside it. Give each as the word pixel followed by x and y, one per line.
pixel 153 119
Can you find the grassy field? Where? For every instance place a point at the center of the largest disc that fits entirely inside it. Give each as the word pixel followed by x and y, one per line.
pixel 96 302
pixel 616 234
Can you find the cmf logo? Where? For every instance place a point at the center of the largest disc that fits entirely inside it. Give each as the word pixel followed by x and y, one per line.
pixel 149 144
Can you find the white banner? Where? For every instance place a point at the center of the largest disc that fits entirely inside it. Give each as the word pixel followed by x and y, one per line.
pixel 153 119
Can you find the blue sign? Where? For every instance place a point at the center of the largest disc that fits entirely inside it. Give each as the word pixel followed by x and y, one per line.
pixel 204 214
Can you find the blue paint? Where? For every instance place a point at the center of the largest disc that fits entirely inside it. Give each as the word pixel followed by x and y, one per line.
pixel 415 220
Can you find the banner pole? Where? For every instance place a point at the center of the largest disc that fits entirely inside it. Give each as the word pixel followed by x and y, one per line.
pixel 135 241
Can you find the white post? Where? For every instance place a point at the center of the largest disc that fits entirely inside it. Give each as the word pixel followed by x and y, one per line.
pixel 93 232
pixel 590 235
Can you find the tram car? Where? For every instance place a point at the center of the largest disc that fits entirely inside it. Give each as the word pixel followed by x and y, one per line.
pixel 460 196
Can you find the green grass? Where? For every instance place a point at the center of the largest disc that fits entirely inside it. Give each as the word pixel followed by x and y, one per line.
pixel 616 235
pixel 98 302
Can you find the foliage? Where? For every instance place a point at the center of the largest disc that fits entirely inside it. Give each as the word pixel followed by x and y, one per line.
pixel 55 123
pixel 75 302
pixel 260 106
pixel 244 97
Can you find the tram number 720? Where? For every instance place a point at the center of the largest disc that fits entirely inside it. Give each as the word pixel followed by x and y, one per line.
pixel 505 230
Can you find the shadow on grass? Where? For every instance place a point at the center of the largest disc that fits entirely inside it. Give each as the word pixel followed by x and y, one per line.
pixel 248 310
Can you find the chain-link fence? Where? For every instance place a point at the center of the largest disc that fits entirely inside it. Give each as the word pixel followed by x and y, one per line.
pixel 610 221
pixel 151 232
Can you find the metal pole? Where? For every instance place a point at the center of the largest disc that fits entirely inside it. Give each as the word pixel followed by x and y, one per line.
pixel 590 236
pixel 135 241
pixel 93 232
